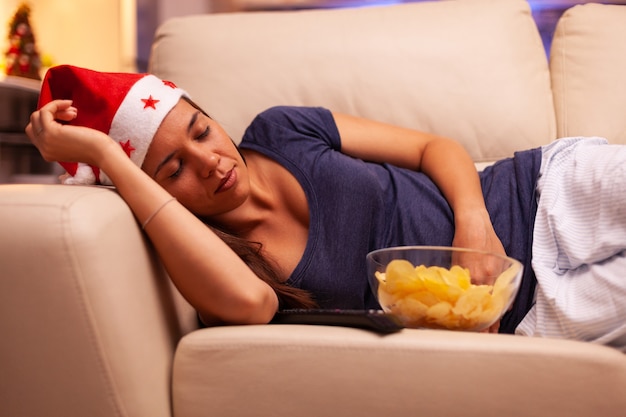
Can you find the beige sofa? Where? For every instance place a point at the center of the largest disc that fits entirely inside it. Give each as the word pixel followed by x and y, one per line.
pixel 91 326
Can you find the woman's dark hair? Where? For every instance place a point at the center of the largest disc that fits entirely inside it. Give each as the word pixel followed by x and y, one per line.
pixel 250 253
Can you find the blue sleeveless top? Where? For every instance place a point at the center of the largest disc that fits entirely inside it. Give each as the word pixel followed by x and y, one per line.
pixel 356 207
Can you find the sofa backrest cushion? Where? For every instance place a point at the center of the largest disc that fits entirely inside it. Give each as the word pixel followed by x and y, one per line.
pixel 472 70
pixel 588 64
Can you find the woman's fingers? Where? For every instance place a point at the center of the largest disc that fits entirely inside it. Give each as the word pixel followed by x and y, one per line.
pixel 58 110
pixel 63 110
pixel 35 127
pixel 48 114
pixel 45 131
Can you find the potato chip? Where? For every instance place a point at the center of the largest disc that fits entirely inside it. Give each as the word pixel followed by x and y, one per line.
pixel 439 297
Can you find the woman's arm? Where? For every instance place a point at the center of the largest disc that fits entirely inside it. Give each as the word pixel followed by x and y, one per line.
pixel 205 270
pixel 445 161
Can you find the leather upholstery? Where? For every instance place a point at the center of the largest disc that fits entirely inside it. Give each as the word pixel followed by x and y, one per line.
pixel 473 70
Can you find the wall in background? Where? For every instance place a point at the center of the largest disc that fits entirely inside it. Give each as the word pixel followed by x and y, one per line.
pixel 99 34
pixel 106 35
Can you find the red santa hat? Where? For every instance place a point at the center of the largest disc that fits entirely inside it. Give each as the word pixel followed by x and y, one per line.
pixel 129 107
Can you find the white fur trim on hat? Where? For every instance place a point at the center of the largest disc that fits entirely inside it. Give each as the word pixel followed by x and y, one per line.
pixel 139 116
pixel 84 176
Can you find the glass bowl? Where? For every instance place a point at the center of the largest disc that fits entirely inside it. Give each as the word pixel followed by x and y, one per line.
pixel 443 287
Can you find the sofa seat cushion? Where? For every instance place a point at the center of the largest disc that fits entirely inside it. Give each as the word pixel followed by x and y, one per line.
pixel 301 370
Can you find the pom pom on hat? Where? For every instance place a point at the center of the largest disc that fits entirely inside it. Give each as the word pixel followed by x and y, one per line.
pixel 129 107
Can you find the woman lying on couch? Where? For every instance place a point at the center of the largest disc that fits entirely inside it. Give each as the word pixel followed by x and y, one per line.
pixel 319 190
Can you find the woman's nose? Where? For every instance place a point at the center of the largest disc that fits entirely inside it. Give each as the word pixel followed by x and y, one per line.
pixel 208 161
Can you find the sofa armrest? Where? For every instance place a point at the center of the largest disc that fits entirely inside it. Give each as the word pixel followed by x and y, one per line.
pixel 89 319
pixel 284 370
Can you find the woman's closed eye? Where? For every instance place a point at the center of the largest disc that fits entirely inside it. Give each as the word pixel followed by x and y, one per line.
pixel 204 134
pixel 177 170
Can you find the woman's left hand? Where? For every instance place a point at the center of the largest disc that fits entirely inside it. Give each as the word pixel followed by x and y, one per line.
pixel 474 230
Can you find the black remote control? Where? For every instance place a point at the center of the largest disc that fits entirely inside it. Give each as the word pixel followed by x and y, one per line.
pixel 375 320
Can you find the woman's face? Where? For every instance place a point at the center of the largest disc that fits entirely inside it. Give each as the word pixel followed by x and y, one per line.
pixel 193 158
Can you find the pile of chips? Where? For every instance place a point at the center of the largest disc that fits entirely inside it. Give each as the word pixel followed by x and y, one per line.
pixel 437 297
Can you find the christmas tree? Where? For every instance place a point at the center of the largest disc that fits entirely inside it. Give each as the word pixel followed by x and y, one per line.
pixel 22 58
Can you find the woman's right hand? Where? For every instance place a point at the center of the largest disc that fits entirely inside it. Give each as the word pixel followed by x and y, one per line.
pixel 60 142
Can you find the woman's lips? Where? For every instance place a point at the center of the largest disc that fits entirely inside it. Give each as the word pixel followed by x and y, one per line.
pixel 227 182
